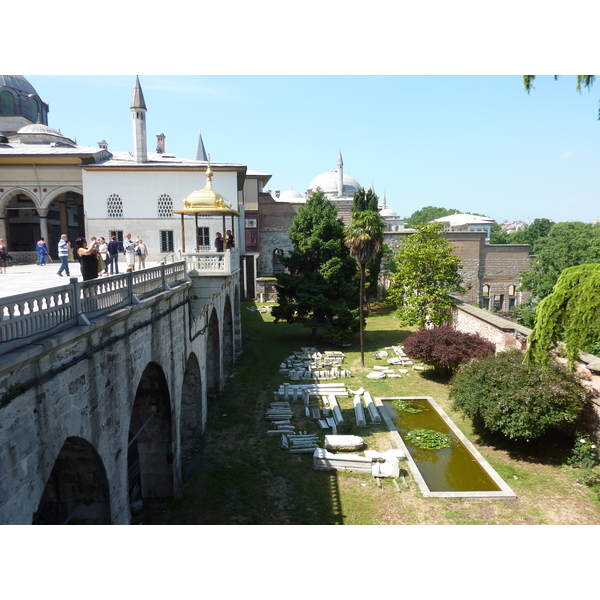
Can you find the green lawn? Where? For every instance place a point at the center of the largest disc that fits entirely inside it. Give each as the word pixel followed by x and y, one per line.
pixel 240 476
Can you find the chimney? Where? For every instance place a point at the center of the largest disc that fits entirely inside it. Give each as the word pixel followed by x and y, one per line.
pixel 277 193
pixel 160 143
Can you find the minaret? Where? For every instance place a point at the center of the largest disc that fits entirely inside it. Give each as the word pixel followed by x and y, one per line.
pixel 138 113
pixel 340 176
pixel 200 151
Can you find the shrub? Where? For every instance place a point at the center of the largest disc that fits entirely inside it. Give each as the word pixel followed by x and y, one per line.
pixel 518 401
pixel 445 348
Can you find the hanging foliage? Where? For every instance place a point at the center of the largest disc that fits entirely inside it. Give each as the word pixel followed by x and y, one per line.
pixel 571 314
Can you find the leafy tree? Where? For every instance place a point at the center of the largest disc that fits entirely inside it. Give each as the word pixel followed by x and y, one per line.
pixel 507 396
pixel 585 80
pixel 427 214
pixel 530 234
pixel 364 238
pixel 425 273
pixel 539 229
pixel 445 348
pixel 571 313
pixel 320 287
pixel 582 80
pixel 566 245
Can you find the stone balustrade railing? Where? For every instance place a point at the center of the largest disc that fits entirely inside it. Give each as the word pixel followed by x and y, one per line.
pixel 29 317
pixel 212 263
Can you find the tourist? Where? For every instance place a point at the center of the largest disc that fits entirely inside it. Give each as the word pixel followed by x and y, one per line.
pixel 113 255
pixel 63 254
pixel 42 249
pixel 230 240
pixel 141 252
pixel 103 251
pixel 88 259
pixel 219 242
pixel 129 247
pixel 3 256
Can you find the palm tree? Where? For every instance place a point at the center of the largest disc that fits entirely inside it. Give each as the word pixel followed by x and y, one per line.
pixel 364 238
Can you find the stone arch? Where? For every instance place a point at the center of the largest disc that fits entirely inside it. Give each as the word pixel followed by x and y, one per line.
pixel 150 449
pixel 213 356
pixel 77 491
pixel 191 424
pixel 65 214
pixel 19 207
pixel 59 191
pixel 228 342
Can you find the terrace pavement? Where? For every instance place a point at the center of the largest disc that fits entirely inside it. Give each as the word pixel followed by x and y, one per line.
pixel 20 279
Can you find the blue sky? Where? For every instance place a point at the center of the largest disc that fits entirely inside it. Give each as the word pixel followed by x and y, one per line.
pixel 475 143
pixel 425 100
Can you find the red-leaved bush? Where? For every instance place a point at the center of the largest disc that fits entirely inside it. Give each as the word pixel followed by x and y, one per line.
pixel 445 348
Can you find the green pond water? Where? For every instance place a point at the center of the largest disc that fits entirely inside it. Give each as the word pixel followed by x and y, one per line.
pixel 452 469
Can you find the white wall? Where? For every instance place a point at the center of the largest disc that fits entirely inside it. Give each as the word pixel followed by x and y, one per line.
pixel 139 192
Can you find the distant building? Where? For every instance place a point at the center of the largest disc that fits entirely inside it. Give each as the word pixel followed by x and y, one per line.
pixel 466 222
pixel 490 271
pixel 41 184
pixel 339 187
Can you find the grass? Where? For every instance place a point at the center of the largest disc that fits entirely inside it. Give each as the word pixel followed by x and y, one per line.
pixel 237 475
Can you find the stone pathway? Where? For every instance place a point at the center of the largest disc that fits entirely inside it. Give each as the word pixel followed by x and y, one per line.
pixel 21 279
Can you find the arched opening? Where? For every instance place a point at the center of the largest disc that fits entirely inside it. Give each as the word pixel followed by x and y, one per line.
pixel 192 414
pixel 25 222
pixel 65 215
pixel 228 345
pixel 22 223
pixel 76 492
pixel 150 450
pixel 213 356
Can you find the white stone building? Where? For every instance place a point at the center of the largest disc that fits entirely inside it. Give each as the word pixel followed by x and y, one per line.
pixel 50 186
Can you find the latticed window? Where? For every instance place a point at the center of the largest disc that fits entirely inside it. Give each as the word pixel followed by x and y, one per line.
pixel 165 206
pixel 204 238
pixel 114 207
pixel 166 240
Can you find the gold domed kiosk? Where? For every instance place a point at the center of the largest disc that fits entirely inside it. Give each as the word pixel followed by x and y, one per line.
pixel 207 203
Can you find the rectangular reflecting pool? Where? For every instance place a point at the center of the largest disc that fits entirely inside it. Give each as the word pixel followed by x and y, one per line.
pixel 456 472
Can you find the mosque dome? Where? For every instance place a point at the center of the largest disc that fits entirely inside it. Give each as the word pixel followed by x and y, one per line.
pixel 387 212
pixel 37 133
pixel 291 196
pixel 19 103
pixel 18 83
pixel 328 182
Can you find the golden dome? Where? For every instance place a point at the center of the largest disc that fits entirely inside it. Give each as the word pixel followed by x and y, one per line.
pixel 206 200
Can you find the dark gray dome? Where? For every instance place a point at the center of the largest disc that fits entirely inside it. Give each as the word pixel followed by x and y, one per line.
pixel 18 83
pixel 19 103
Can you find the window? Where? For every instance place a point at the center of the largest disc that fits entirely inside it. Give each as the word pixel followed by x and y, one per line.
pixel 251 223
pixel 7 103
pixel 511 290
pixel 512 302
pixel 118 233
pixel 114 207
pixel 166 240
pixel 486 291
pixel 34 109
pixel 204 238
pixel 165 206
